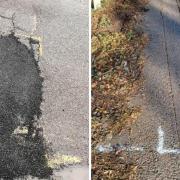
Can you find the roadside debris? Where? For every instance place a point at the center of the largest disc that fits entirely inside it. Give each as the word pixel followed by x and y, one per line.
pixel 117 62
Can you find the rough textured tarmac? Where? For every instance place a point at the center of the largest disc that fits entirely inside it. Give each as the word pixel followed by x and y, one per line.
pixel 61 27
pixel 160 97
pixel 20 99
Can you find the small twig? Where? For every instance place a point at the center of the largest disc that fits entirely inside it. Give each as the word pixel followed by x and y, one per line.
pixel 4 17
pixel 13 23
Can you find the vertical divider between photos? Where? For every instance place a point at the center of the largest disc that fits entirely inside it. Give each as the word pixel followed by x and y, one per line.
pixel 90 157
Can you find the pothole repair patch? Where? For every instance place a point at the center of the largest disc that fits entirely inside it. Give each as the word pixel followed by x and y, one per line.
pixel 22 147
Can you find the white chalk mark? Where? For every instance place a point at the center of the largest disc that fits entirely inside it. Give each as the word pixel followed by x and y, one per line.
pixel 160 146
pixel 134 148
pixel 109 148
pixel 104 149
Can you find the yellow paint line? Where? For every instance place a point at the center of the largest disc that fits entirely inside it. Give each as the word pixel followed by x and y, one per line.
pixel 40 47
pixel 35 24
pixel 37 38
pixel 21 130
pixel 59 159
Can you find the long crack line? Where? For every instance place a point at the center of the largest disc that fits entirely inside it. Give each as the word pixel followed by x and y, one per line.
pixel 169 74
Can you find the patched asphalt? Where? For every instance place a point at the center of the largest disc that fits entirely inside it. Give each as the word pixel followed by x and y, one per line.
pixel 59 30
pixel 20 99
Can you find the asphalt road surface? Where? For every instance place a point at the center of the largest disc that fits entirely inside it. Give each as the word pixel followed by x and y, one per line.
pixel 44 105
pixel 154 138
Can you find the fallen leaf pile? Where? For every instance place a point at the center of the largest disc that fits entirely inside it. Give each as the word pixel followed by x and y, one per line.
pixel 112 166
pixel 117 64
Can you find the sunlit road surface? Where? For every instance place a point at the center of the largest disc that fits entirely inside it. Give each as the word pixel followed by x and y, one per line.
pixel 154 139
pixel 59 31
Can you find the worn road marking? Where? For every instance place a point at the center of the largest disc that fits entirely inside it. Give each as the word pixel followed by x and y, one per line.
pixel 59 159
pixel 29 36
pixel 21 130
pixel 160 146
pixel 35 38
pixel 110 148
pixel 35 24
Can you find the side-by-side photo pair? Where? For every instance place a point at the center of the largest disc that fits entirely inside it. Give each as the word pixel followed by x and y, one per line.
pixel 90 90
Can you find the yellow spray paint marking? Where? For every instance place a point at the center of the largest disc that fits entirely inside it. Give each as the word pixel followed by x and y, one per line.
pixel 33 37
pixel 35 24
pixel 36 38
pixel 58 160
pixel 21 130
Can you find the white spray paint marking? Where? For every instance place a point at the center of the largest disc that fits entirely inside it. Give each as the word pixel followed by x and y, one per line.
pixel 109 148
pixel 134 148
pixel 160 146
pixel 104 149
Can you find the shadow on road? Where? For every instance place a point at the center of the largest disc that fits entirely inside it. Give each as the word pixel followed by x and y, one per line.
pixel 162 73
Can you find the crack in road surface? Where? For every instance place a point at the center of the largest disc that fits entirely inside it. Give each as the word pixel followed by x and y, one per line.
pixel 161 106
pixel 22 147
pixel 169 73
